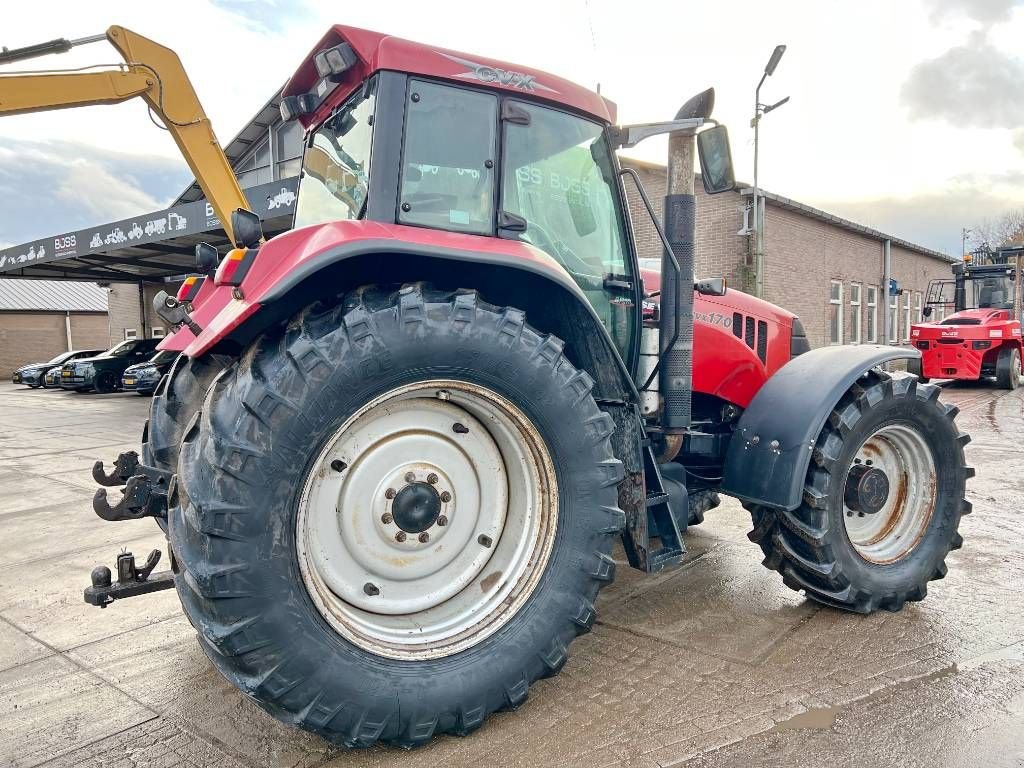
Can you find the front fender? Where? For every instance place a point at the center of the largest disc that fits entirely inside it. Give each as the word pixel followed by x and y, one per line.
pixel 771 448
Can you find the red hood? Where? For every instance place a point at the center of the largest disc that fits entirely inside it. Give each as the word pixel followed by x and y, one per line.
pixel 733 300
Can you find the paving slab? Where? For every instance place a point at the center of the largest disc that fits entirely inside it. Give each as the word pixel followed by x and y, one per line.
pixel 17 648
pixel 50 706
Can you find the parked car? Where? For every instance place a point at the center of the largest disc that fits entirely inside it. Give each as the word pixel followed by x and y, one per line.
pixel 52 378
pixel 143 377
pixel 32 375
pixel 103 372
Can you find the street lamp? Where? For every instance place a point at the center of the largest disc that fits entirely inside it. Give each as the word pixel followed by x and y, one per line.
pixel 760 110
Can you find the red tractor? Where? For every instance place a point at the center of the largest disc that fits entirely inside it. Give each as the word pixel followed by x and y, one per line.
pixel 983 335
pixel 403 438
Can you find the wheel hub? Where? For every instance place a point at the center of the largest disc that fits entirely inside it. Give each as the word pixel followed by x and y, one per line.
pixel 890 493
pixel 416 507
pixel 427 519
pixel 867 489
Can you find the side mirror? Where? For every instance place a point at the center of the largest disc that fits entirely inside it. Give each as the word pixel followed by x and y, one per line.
pixel 926 311
pixel 582 214
pixel 715 160
pixel 710 286
pixel 247 228
pixel 206 258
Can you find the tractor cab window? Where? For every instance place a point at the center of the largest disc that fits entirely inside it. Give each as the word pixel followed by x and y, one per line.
pixel 558 178
pixel 448 158
pixel 995 292
pixel 336 164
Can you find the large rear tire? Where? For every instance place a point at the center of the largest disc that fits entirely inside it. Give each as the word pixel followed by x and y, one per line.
pixel 880 549
pixel 1008 375
pixel 289 512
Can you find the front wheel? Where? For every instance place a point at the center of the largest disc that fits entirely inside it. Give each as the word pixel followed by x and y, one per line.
pixel 882 500
pixel 395 515
pixel 105 383
pixel 1008 375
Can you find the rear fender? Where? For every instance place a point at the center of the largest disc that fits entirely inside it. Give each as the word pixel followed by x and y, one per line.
pixel 302 266
pixel 770 451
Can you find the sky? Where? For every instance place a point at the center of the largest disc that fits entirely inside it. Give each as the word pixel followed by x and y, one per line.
pixel 904 116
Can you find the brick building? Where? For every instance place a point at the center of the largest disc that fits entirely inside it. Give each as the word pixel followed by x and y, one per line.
pixel 828 270
pixel 39 319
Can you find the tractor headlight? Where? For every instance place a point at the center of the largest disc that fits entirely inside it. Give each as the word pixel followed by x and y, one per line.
pixel 335 61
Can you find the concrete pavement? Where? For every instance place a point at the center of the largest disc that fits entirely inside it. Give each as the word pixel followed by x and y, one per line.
pixel 714 664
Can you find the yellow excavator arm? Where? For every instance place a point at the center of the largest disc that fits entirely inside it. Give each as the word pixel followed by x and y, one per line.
pixel 152 72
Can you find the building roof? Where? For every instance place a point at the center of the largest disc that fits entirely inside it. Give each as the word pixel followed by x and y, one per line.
pixel 815 213
pixel 51 296
pixel 850 226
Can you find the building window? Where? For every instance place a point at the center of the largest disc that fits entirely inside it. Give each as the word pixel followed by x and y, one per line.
pixel 894 319
pixel 158 332
pixel 835 312
pixel 255 169
pixel 855 313
pixel 130 333
pixel 906 315
pixel 872 314
pixel 288 149
pixel 918 306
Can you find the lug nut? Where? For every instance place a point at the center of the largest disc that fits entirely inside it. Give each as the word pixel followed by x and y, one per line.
pixel 400 536
pixel 484 540
pixel 338 465
pixel 442 521
pixel 390 493
pixel 410 477
pixel 386 518
pixel 446 497
pixel 424 537
pixel 371 589
pixel 432 478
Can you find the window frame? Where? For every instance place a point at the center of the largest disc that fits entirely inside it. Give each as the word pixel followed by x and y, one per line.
pixel 838 304
pixel 496 157
pixel 855 315
pixel 871 307
pixel 894 318
pixel 130 334
pixel 907 296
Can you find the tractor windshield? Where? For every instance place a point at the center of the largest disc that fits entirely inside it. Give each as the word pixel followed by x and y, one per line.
pixel 336 164
pixel 558 177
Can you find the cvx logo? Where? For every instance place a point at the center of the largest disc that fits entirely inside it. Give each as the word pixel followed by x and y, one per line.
pixel 488 74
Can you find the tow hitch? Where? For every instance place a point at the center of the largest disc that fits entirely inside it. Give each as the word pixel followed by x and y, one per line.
pixel 131 580
pixel 146 490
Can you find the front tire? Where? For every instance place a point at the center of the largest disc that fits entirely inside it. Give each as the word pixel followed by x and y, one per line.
pixel 1008 375
pixel 836 546
pixel 284 469
pixel 105 382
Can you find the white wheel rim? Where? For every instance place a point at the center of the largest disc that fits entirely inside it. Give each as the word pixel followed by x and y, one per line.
pixel 490 489
pixel 892 532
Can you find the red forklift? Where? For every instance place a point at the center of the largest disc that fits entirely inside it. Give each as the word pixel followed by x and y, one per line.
pixel 982 338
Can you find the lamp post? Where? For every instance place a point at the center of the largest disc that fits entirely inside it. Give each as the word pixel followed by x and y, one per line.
pixel 760 110
pixel 964 233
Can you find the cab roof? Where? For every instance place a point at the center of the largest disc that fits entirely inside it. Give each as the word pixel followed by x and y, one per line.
pixel 377 51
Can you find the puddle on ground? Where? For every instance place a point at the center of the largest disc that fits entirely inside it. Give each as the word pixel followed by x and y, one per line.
pixel 821 719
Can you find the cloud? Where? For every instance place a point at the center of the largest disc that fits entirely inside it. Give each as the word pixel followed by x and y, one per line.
pixel 265 16
pixel 974 85
pixel 985 11
pixel 935 219
pixel 56 186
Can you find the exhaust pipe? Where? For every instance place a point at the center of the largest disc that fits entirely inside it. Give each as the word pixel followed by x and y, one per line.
pixel 676 324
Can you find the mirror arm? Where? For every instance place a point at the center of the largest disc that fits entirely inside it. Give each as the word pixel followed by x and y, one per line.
pixel 626 136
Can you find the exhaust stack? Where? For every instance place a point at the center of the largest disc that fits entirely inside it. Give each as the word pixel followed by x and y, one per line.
pixel 676 379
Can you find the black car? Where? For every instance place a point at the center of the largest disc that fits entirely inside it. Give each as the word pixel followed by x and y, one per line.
pixel 31 375
pixel 103 372
pixel 143 377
